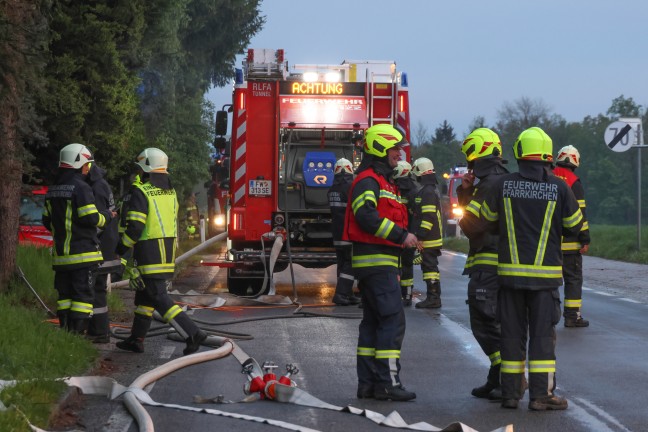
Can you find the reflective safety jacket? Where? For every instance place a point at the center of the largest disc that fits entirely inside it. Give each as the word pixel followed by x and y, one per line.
pixel 427 213
pixel 531 216
pixel 375 222
pixel 482 255
pixel 72 217
pixel 573 244
pixel 105 201
pixel 149 217
pixel 338 196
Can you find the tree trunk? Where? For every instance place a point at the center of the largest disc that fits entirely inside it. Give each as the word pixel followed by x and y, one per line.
pixel 15 14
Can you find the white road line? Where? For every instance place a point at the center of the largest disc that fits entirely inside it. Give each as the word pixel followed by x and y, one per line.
pixel 629 300
pixel 590 420
pixel 604 293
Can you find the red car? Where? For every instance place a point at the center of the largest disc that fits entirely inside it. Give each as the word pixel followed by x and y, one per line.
pixel 31 229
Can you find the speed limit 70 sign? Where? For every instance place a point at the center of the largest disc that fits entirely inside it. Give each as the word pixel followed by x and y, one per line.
pixel 621 135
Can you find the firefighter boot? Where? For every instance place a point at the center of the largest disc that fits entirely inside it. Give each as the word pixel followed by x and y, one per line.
pixel 193 342
pixel 406 293
pixel 78 325
pixel 99 328
pixel 491 390
pixel 551 402
pixel 63 318
pixel 135 341
pixel 573 318
pixel 433 299
pixel 394 393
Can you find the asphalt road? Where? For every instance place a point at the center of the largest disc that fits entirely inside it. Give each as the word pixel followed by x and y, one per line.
pixel 602 369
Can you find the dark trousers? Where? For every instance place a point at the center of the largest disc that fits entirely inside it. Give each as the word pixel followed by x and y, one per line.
pixel 532 315
pixel 155 297
pixel 345 278
pixel 75 293
pixel 430 264
pixel 573 280
pixel 381 330
pixel 100 321
pixel 483 289
pixel 407 272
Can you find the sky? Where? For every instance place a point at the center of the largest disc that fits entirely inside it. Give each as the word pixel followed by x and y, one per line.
pixel 467 58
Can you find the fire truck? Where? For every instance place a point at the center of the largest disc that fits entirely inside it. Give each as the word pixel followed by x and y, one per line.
pixel 450 203
pixel 290 124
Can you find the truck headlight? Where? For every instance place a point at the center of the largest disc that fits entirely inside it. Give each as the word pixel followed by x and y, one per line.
pixel 457 212
pixel 219 220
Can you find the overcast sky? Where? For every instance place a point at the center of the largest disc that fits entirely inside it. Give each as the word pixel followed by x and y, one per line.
pixel 466 58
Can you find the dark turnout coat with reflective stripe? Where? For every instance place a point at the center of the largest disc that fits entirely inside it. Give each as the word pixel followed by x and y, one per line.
pixel 71 215
pixel 573 244
pixel 531 214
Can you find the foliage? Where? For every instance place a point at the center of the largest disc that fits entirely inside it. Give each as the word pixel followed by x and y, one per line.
pixel 444 134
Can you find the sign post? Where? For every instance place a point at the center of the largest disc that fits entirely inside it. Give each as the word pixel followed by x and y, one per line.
pixel 619 137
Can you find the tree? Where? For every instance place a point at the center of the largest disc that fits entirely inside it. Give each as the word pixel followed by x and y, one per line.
pixel 476 123
pixel 421 135
pixel 444 134
pixel 623 107
pixel 22 30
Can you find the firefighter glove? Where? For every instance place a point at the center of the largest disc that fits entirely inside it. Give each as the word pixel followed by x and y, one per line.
pixel 135 281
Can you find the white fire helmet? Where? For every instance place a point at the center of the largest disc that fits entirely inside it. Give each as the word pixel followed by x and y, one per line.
pixel 153 160
pixel 423 166
pixel 569 154
pixel 403 169
pixel 343 165
pixel 74 156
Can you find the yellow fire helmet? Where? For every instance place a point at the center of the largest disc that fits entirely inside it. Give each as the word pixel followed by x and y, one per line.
pixel 533 144
pixel 480 143
pixel 380 138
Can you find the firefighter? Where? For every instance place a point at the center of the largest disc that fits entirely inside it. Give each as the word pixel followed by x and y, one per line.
pixel 428 230
pixel 150 216
pixel 483 151
pixel 338 196
pixel 408 188
pixel 192 217
pixel 375 223
pixel 71 215
pixel 531 209
pixel 573 246
pixel 99 328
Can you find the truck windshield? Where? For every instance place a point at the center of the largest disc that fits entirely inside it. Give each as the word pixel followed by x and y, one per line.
pixel 31 209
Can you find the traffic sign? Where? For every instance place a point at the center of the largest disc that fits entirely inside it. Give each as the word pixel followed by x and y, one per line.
pixel 620 136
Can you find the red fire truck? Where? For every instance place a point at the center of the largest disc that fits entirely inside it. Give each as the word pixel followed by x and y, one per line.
pixel 289 127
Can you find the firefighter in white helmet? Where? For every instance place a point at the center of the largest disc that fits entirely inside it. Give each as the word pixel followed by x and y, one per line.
pixel 71 215
pixel 409 188
pixel 338 196
pixel 376 223
pixel 574 246
pixel 150 221
pixel 531 210
pixel 483 151
pixel 428 230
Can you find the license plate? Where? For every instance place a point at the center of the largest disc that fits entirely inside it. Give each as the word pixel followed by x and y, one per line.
pixel 260 187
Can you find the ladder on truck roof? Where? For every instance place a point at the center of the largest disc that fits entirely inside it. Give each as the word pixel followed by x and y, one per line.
pixel 381 98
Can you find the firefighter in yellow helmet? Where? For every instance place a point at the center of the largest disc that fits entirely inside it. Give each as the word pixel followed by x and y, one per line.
pixel 573 247
pixel 531 209
pixel 150 218
pixel 376 224
pixel 70 213
pixel 338 197
pixel 483 151
pixel 427 227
